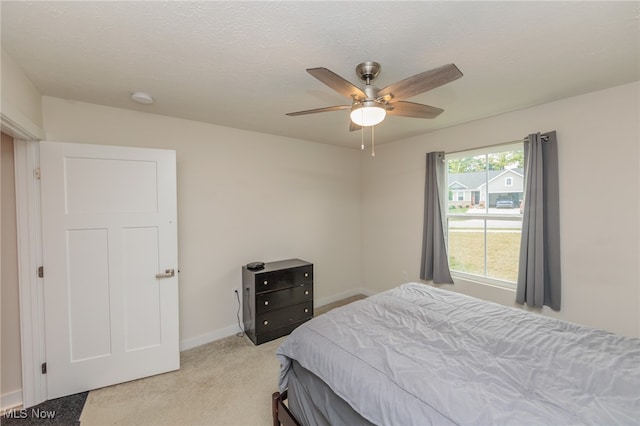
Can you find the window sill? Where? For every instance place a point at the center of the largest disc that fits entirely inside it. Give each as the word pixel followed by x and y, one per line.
pixel 478 280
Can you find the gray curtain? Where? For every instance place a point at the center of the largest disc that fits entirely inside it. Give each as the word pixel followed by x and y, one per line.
pixel 435 265
pixel 539 268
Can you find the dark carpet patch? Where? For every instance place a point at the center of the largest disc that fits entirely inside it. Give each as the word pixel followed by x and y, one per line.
pixel 63 411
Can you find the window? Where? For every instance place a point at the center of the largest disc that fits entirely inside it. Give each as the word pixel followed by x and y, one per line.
pixel 484 236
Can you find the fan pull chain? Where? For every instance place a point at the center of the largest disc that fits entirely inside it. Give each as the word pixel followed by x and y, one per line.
pixel 362 138
pixel 373 142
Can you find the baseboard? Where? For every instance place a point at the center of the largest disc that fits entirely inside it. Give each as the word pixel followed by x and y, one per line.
pixel 203 339
pixel 11 400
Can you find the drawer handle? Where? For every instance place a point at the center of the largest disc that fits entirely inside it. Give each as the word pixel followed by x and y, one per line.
pixel 265 282
pixel 266 302
pixel 306 310
pixel 306 274
pixel 266 323
pixel 306 292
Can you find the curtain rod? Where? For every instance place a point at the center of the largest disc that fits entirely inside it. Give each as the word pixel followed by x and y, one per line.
pixel 544 138
pixel 483 147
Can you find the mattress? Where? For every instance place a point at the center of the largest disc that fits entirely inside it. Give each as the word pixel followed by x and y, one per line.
pixel 314 403
pixel 417 355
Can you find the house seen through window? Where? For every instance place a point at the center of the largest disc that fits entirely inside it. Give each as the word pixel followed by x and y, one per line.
pixel 484 215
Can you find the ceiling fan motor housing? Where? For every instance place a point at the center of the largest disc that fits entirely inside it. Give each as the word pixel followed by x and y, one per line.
pixel 371 92
pixel 371 101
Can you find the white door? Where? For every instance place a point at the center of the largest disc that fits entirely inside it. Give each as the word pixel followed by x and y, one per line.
pixel 109 237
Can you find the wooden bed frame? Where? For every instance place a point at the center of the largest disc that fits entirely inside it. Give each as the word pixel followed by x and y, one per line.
pixel 280 412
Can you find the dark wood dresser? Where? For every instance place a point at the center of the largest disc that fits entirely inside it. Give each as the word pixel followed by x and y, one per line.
pixel 276 299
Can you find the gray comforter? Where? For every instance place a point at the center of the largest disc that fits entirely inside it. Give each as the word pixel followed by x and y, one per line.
pixel 418 355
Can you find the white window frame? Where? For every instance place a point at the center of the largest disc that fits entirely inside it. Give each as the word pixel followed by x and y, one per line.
pixel 508 181
pixel 482 279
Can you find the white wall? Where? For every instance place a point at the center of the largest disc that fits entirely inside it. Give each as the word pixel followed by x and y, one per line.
pixel 21 100
pixel 598 137
pixel 242 197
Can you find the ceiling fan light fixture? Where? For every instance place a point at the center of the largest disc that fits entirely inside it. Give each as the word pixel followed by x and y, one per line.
pixel 367 113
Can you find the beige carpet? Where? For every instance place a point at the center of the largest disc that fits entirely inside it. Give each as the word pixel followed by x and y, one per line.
pixel 226 382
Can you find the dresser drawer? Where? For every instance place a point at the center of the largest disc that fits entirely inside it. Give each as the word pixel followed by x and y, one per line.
pixel 279 332
pixel 303 275
pixel 276 280
pixel 269 301
pixel 278 318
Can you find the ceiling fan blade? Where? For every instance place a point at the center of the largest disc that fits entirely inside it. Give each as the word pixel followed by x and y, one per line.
pixel 412 109
pixel 337 83
pixel 313 111
pixel 420 83
pixel 353 126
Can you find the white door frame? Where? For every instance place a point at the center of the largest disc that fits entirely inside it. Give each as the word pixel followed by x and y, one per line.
pixel 25 141
pixel 32 331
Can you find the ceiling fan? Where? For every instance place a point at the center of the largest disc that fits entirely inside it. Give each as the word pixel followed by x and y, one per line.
pixel 370 105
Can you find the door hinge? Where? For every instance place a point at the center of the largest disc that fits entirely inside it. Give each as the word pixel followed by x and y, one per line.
pixel 41 272
pixel 44 368
pixel 36 173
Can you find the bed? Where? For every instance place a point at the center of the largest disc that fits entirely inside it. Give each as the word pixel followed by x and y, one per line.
pixel 419 355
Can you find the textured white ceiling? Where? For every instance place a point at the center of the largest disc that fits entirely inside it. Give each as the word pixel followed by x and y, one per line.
pixel 242 64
